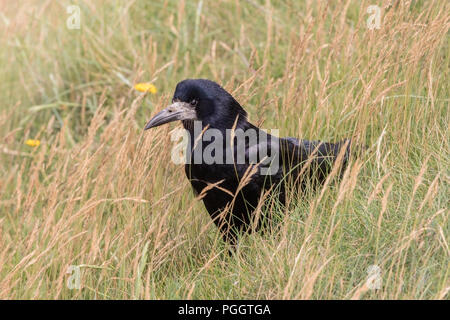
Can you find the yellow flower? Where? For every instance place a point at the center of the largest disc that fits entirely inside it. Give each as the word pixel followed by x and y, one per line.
pixel 146 87
pixel 33 143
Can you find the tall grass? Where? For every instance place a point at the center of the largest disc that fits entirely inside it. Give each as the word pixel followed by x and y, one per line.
pixel 101 194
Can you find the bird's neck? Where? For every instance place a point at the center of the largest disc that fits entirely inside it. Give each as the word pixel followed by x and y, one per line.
pixel 201 135
pixel 188 125
pixel 241 123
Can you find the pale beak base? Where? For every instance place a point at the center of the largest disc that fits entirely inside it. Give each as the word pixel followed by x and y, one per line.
pixel 176 111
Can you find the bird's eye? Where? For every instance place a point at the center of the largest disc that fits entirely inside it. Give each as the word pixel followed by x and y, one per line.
pixel 194 102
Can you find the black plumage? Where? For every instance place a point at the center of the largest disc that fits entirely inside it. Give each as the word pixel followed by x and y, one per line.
pixel 231 191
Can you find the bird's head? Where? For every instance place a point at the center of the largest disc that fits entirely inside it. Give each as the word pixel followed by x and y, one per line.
pixel 202 100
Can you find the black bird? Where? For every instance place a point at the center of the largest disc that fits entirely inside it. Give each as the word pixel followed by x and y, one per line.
pixel 242 171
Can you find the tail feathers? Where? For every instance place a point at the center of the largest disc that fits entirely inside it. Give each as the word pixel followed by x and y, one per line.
pixel 325 155
pixel 327 149
pixel 321 156
pixel 320 150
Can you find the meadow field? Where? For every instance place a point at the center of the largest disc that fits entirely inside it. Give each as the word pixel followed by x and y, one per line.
pixel 92 207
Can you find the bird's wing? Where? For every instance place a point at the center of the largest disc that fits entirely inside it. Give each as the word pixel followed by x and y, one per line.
pixel 313 160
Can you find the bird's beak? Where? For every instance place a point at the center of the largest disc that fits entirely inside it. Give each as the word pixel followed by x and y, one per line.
pixel 176 111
